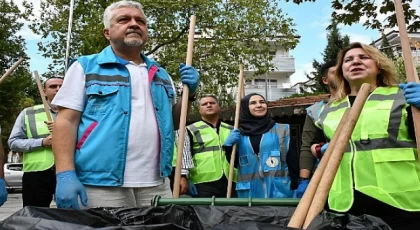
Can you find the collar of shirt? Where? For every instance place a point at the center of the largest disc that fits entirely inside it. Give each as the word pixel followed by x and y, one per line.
pixel 125 62
pixel 216 128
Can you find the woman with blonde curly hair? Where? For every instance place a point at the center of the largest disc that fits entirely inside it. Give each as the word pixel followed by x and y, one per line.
pixel 379 174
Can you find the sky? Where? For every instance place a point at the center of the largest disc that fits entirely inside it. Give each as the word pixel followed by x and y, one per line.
pixel 311 20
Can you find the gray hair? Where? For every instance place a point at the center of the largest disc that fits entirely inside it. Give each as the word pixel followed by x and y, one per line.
pixel 117 5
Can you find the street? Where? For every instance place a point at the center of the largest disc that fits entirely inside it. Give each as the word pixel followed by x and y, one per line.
pixel 13 204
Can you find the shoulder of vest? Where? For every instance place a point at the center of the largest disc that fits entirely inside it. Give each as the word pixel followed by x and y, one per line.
pixel 225 125
pixel 35 107
pixel 196 124
pixel 282 126
pixel 387 90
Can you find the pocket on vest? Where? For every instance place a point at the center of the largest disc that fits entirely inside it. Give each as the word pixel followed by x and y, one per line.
pixel 204 163
pixel 100 99
pixel 396 170
pixel 243 189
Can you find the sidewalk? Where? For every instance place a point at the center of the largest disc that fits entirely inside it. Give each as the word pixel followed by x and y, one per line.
pixel 14 204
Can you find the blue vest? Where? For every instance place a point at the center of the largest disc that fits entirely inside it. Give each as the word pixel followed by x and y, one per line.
pixel 314 110
pixel 102 137
pixel 266 175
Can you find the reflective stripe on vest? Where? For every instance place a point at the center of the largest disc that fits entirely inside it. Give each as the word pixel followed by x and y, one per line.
pixel 42 158
pixel 208 156
pixel 283 133
pixel 314 110
pixel 381 158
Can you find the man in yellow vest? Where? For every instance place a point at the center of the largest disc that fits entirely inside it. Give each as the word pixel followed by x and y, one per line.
pixel 32 135
pixel 308 154
pixel 211 172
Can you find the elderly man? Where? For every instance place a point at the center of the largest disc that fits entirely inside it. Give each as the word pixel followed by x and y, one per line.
pixel 114 135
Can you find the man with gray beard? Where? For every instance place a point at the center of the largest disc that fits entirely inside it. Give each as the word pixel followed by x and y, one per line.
pixel 114 133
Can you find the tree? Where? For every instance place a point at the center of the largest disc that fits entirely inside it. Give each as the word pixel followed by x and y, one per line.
pixel 336 42
pixel 18 90
pixel 386 47
pixel 231 32
pixel 349 12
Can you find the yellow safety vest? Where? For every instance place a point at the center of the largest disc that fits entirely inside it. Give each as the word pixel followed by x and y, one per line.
pixel 381 158
pixel 42 158
pixel 208 156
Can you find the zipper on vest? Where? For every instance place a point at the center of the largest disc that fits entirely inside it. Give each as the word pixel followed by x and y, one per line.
pixel 260 169
pixel 353 152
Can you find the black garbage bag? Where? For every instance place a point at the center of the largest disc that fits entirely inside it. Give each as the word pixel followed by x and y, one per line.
pixel 328 221
pixel 179 217
pixel 151 218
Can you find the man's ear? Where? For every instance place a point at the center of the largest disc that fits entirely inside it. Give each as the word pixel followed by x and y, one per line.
pixel 325 80
pixel 106 33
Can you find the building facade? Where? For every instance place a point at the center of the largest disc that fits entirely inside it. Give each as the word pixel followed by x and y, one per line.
pixel 394 40
pixel 276 83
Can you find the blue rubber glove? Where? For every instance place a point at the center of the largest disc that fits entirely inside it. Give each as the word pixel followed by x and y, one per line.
pixel 189 77
pixel 302 188
pixel 233 138
pixel 411 93
pixel 3 191
pixel 68 189
pixel 324 148
pixel 192 190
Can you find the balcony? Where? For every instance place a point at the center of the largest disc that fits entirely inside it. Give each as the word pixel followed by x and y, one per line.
pixel 285 64
pixel 273 92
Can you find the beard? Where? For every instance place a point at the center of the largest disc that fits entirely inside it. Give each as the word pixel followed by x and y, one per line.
pixel 133 42
pixel 332 85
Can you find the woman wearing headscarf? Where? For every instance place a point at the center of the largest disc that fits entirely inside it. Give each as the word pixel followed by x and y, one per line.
pixel 267 158
pixel 379 173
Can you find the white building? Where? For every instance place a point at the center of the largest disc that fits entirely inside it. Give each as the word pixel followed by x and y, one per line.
pixel 276 83
pixel 395 43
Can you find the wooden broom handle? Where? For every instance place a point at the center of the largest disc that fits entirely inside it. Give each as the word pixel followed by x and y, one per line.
pixel 409 66
pixel 44 101
pixel 8 72
pixel 327 179
pixel 301 210
pixel 235 126
pixel 184 111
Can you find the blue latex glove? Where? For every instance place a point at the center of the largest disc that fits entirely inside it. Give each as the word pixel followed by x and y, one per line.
pixel 324 148
pixel 68 189
pixel 3 191
pixel 233 138
pixel 189 77
pixel 192 190
pixel 411 93
pixel 302 188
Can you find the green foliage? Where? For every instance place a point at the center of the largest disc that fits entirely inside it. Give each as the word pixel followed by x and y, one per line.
pixel 336 42
pixel 349 12
pixel 236 31
pixel 400 68
pixel 386 47
pixel 18 90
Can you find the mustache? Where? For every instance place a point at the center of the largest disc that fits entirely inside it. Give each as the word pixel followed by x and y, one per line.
pixel 129 31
